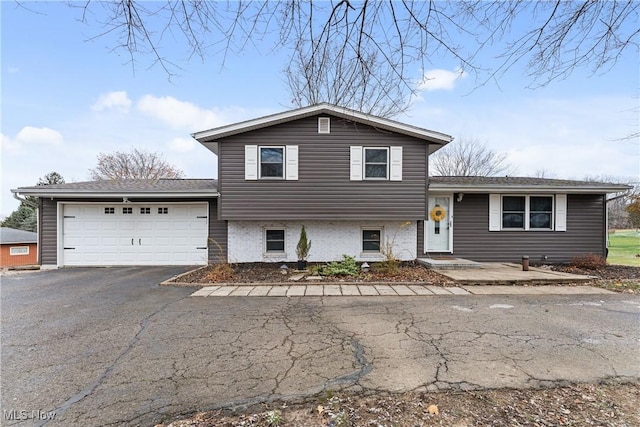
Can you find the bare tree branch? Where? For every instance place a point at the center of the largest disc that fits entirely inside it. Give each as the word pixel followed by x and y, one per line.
pixel 469 157
pixel 136 164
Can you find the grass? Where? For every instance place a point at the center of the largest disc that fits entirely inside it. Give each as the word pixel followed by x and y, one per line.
pixel 624 245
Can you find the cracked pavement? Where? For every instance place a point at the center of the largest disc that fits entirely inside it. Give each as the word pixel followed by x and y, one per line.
pixel 110 347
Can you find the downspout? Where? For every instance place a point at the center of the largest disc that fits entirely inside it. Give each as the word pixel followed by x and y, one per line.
pixel 25 201
pixel 37 208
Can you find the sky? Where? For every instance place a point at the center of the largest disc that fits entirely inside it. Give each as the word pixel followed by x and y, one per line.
pixel 69 94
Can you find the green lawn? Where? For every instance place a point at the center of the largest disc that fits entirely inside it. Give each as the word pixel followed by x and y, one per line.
pixel 624 245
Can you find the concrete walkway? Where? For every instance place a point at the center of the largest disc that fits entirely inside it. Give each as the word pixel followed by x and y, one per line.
pixel 330 290
pixel 509 273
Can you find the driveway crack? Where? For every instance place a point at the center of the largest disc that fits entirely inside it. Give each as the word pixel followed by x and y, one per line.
pixel 82 394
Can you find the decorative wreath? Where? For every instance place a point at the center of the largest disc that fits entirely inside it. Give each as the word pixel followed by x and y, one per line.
pixel 438 213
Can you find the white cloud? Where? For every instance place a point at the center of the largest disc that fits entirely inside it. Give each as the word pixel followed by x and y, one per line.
pixel 34 135
pixel 182 145
pixel 439 79
pixel 30 136
pixel 179 114
pixel 117 100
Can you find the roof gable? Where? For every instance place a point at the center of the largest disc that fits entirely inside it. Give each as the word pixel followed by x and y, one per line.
pixel 216 134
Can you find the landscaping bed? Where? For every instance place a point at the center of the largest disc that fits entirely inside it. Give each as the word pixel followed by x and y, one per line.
pixel 269 273
pixel 619 278
pixel 577 405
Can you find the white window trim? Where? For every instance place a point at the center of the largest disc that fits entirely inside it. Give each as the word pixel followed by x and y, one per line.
pixel 13 250
pixel 364 253
pixel 358 165
pixel 264 239
pixel 527 212
pixel 253 171
pixel 284 162
pixel 364 164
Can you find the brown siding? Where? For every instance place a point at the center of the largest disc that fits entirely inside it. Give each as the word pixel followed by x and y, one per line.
pixel 48 232
pixel 217 234
pixel 8 260
pixel 324 189
pixel 585 233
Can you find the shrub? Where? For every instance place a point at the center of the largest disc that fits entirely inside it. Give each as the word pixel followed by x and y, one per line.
pixel 221 272
pixel 589 262
pixel 347 267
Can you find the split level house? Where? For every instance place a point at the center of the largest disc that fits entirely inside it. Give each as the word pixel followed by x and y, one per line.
pixel 358 183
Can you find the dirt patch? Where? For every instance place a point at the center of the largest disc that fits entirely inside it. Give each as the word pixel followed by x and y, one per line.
pixel 619 278
pixel 578 405
pixel 256 273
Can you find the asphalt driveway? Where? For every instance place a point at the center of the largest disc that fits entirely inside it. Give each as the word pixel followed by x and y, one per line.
pixel 109 346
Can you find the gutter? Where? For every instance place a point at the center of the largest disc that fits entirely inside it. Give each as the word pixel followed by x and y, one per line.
pixel 25 201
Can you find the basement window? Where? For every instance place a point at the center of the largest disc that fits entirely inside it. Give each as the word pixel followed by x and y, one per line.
pixel 274 240
pixel 371 240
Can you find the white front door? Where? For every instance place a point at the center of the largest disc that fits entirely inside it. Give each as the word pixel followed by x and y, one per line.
pixel 134 234
pixel 439 225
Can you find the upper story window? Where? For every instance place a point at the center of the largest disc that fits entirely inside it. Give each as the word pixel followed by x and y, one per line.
pixel 376 163
pixel 271 162
pixel 527 212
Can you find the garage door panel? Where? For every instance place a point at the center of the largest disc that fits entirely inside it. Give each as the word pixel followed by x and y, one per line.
pixel 162 234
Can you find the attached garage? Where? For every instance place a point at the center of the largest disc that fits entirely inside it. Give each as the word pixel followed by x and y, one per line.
pixel 129 222
pixel 134 234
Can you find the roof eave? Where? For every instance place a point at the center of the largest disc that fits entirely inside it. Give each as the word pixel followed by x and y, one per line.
pixel 526 189
pixel 114 194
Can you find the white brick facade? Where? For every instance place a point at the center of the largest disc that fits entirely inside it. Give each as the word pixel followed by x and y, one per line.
pixel 329 240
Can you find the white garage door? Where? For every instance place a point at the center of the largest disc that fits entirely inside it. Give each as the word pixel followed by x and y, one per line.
pixel 135 234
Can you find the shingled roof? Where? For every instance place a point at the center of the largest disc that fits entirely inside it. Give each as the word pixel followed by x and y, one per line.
pixel 138 187
pixel 11 235
pixel 513 184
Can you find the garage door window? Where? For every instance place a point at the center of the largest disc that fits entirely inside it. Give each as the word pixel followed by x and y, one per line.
pixel 145 211
pixel 163 211
pixel 127 211
pixel 109 211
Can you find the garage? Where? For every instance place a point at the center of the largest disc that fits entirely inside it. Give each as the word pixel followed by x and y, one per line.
pixel 105 234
